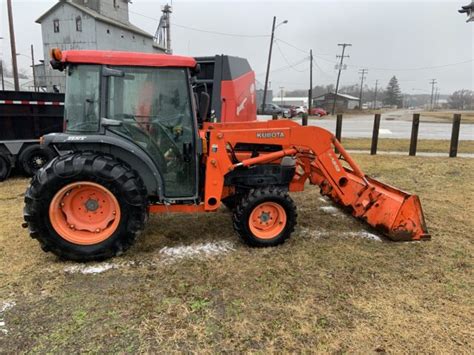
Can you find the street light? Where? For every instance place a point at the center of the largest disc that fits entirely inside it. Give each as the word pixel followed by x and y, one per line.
pixel 269 60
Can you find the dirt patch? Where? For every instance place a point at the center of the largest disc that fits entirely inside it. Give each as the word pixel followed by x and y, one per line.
pixel 329 289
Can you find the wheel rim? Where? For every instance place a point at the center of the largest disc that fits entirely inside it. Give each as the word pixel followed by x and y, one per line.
pixel 84 213
pixel 37 161
pixel 267 220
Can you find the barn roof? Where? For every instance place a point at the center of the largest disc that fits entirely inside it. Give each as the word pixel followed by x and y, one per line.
pixel 344 96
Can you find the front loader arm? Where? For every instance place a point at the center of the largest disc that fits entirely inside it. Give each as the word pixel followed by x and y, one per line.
pixel 395 213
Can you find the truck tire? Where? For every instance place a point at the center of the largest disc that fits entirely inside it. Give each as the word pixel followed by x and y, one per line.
pixel 265 217
pixel 85 206
pixel 5 168
pixel 34 157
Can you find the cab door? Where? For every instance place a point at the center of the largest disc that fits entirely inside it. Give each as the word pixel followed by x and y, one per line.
pixel 154 106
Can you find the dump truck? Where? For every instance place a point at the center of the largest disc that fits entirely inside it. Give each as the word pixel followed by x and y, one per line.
pixel 24 117
pixel 138 140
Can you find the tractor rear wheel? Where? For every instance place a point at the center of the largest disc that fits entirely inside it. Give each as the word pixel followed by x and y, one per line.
pixel 85 206
pixel 265 217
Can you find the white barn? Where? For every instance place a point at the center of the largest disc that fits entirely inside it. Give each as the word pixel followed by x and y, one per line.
pixel 89 24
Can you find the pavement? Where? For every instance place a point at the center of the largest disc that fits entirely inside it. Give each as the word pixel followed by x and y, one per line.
pixel 396 124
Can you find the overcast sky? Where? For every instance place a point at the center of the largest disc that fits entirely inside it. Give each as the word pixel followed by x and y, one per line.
pixel 388 37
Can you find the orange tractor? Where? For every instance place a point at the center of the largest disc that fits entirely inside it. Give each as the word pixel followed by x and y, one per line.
pixel 140 138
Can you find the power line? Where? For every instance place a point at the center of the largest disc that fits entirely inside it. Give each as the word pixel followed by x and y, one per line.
pixel 402 69
pixel 286 59
pixel 203 30
pixel 291 45
pixel 303 60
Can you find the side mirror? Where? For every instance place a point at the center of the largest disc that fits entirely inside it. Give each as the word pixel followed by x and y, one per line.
pixel 107 122
pixel 204 101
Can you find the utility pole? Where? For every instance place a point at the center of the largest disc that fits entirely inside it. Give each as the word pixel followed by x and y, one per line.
pixel 33 67
pixel 1 73
pixel 13 45
pixel 375 95
pixel 362 72
pixel 432 82
pixel 343 45
pixel 281 94
pixel 167 12
pixel 310 96
pixel 268 66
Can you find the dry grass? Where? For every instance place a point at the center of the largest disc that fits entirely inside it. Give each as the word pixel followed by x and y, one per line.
pixel 443 116
pixel 403 145
pixel 322 291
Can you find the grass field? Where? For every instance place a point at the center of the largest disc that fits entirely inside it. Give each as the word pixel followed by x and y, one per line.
pixel 403 145
pixel 328 289
pixel 442 116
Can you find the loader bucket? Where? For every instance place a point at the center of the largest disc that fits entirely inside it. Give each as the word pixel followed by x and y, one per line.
pixel 395 213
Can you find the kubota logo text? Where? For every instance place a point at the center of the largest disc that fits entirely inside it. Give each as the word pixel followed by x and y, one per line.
pixel 270 135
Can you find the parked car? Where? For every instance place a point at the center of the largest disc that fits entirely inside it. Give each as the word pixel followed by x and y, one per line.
pixel 318 111
pixel 272 109
pixel 291 109
pixel 300 110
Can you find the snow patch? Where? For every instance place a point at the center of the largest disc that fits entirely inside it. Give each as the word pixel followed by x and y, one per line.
pixel 366 235
pixel 5 307
pixel 385 131
pixel 95 268
pixel 168 254
pixel 334 211
pixel 197 250
pixel 306 232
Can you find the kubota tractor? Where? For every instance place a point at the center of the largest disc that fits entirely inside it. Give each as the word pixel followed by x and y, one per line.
pixel 138 139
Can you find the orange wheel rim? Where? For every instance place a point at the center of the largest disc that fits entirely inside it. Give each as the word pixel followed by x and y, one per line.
pixel 84 213
pixel 267 220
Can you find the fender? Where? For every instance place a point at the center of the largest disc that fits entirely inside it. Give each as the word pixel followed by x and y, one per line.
pixel 120 148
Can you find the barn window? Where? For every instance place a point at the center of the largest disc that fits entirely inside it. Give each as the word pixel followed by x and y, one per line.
pixel 56 26
pixel 78 24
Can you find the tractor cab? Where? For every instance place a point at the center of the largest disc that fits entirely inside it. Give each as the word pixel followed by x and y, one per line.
pixel 145 100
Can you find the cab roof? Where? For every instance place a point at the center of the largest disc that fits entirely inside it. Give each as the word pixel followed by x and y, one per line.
pixel 127 58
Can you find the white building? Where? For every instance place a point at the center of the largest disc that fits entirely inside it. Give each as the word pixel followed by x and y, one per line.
pixel 89 24
pixel 293 101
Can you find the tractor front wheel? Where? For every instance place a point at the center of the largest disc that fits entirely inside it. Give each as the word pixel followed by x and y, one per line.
pixel 265 217
pixel 85 206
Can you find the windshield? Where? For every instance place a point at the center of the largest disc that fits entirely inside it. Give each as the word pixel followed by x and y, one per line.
pixel 81 109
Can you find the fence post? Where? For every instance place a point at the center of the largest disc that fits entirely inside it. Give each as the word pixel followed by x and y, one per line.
pixel 453 150
pixel 304 119
pixel 274 116
pixel 375 134
pixel 414 134
pixel 339 127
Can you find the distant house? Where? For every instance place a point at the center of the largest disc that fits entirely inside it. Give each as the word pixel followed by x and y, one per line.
pixel 88 24
pixel 343 101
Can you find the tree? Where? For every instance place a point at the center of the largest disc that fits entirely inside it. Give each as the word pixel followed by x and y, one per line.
pixel 461 99
pixel 393 94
